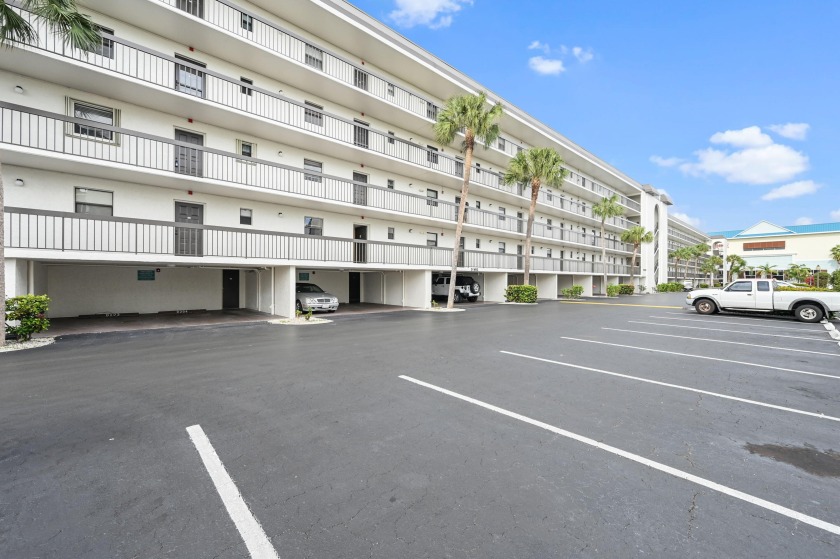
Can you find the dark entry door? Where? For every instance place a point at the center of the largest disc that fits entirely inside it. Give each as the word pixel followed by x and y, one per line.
pixel 360 134
pixel 519 222
pixel 230 289
pixel 518 257
pixel 360 189
pixel 189 161
pixel 189 240
pixel 355 287
pixel 360 249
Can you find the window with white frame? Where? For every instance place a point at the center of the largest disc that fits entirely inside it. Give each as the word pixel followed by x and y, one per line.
pixel 95 114
pixel 390 233
pixel 548 223
pixel 432 154
pixel 312 114
pixel 501 143
pixel 548 253
pixel 246 90
pixel 391 184
pixel 247 22
pixel 315 166
pixel 432 196
pixel 314 57
pixel 245 216
pixel 502 213
pixel 247 149
pixel 431 239
pixel 313 226
pixel 391 137
pixel 106 46
pixel 501 247
pixel 95 202
pixel 390 90
pixel 478 243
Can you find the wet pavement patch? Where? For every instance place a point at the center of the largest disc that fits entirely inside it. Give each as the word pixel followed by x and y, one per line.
pixel 808 458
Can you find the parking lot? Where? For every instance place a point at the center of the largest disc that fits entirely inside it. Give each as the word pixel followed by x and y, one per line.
pixel 555 430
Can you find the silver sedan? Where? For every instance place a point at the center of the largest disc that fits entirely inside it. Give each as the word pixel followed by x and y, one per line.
pixel 311 297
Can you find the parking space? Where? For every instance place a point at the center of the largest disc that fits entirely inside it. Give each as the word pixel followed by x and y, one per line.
pixel 507 431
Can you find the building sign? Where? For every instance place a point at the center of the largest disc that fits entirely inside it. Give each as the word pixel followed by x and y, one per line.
pixel 145 275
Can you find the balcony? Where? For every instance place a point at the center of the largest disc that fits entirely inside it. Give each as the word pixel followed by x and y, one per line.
pixel 52 133
pixel 191 81
pixel 71 236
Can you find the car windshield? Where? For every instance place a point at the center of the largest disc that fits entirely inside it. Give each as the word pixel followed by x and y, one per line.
pixel 309 288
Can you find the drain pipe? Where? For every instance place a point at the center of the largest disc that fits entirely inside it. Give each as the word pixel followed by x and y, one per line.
pixel 383 287
pixel 273 271
pixel 30 277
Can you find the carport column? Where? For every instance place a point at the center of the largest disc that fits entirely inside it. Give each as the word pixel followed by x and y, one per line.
pixel 547 286
pixel 585 282
pixel 417 288
pixel 495 284
pixel 16 283
pixel 285 278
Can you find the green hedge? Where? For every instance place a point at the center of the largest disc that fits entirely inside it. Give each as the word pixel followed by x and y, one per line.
pixel 521 294
pixel 809 288
pixel 573 292
pixel 30 313
pixel 703 286
pixel 669 287
pixel 626 288
pixel 613 290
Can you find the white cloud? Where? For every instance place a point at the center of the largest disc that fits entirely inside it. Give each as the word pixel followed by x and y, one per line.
pixel 431 13
pixel 804 221
pixel 583 55
pixel 791 130
pixel 835 215
pixel 792 190
pixel 751 136
pixel 693 221
pixel 666 161
pixel 537 45
pixel 756 165
pixel 546 66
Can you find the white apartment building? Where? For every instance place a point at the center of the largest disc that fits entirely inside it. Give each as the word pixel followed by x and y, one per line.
pixel 212 153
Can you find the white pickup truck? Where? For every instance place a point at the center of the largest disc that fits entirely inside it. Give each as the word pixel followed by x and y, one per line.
pixel 762 295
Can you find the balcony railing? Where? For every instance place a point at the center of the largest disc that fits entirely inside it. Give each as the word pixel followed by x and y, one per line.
pixel 84 233
pixel 135 61
pixel 602 190
pixel 22 126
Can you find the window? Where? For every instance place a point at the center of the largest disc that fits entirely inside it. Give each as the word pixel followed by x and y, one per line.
pixel 391 89
pixel 315 166
pixel 245 216
pixel 501 247
pixel 95 202
pixel 478 204
pixel 767 245
pixel 312 114
pixel 192 7
pixel 459 167
pixel 361 133
pixel 764 286
pixel 533 250
pixel 313 226
pixel 189 79
pixel 740 286
pixel 360 79
pixel 247 149
pixel 247 23
pixel 478 243
pixel 478 168
pixel 390 233
pixel 432 196
pixel 548 253
pixel 501 143
pixel 391 136
pixel 245 89
pixel 431 110
pixel 549 196
pixel 518 149
pixel 548 224
pixel 431 239
pixel 106 47
pixel 391 184
pixel 502 213
pixel 94 114
pixel 432 155
pixel 314 57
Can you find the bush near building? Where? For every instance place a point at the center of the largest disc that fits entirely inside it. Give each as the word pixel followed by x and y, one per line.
pixel 669 287
pixel 29 312
pixel 521 294
pixel 626 288
pixel 613 290
pixel 573 292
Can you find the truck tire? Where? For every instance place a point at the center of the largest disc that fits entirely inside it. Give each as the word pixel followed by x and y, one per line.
pixel 705 306
pixel 808 313
pixel 457 297
pixel 475 287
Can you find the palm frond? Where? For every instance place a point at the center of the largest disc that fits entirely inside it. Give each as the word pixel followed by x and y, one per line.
pixel 14 28
pixel 468 114
pixel 63 17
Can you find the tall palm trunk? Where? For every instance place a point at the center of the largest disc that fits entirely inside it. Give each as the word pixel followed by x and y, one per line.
pixel 604 255
pixel 633 264
pixel 465 189
pixel 535 191
pixel 2 262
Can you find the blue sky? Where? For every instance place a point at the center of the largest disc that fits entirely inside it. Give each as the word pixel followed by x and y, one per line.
pixel 733 108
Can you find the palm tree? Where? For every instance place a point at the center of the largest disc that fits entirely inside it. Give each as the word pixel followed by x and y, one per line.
pixel 699 251
pixel 766 270
pixel 835 253
pixel 75 29
pixel 470 114
pixel 710 266
pixel 606 208
pixel 798 272
pixel 636 235
pixel 736 266
pixel 535 167
pixel 676 255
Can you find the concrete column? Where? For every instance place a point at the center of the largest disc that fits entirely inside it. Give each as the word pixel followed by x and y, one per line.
pixel 285 278
pixel 495 284
pixel 417 287
pixel 586 283
pixel 547 286
pixel 16 277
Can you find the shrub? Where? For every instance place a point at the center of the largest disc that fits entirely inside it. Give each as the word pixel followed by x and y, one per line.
pixel 626 288
pixel 642 288
pixel 573 292
pixel 521 294
pixel 808 288
pixel 669 287
pixel 821 279
pixel 835 280
pixel 613 290
pixel 30 313
pixel 703 286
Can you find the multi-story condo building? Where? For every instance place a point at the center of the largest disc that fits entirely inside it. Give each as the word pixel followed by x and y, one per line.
pixel 212 153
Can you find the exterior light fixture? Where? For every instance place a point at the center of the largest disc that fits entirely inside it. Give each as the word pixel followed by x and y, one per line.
pixel 18 89
pixel 19 182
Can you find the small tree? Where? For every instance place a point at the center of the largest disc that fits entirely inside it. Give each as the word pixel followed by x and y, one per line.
pixel 534 167
pixel 636 235
pixel 767 270
pixel 798 272
pixel 605 209
pixel 699 251
pixel 835 254
pixel 470 114
pixel 710 266
pixel 736 266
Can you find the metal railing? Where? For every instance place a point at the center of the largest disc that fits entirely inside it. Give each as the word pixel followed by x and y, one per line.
pixel 84 233
pixel 56 133
pixel 601 190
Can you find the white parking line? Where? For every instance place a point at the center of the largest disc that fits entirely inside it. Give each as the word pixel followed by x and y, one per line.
pixel 790 513
pixel 723 342
pixel 705 357
pixel 790 321
pixel 258 544
pixel 677 386
pixel 751 325
pixel 812 338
